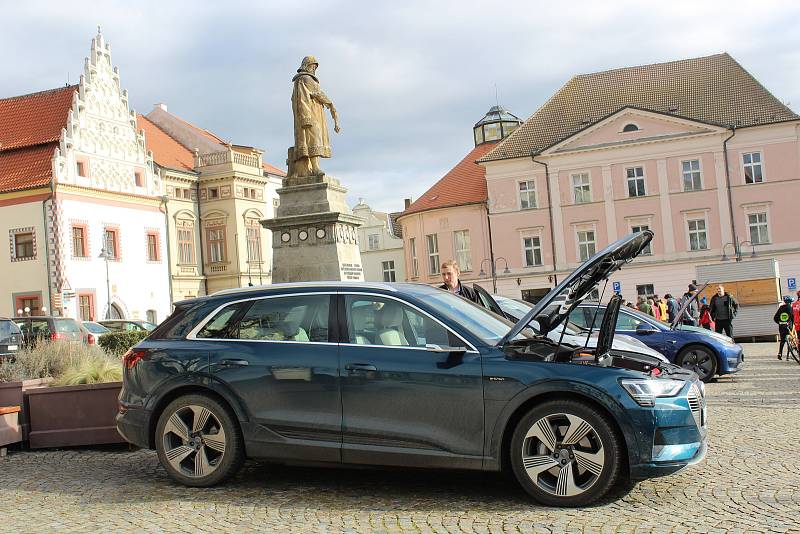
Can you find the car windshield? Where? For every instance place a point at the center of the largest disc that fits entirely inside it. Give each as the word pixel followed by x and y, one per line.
pixel 480 322
pixel 511 306
pixel 95 328
pixel 8 329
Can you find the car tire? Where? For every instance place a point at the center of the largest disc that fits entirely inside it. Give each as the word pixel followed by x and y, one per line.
pixel 198 441
pixel 583 471
pixel 700 360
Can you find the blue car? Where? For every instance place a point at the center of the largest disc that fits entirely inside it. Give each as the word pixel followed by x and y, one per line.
pixel 331 373
pixel 703 351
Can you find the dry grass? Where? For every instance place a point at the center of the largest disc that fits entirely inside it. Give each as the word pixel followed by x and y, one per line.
pixel 59 360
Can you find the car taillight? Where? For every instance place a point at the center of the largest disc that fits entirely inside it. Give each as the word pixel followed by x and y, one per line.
pixel 55 336
pixel 132 357
pixel 90 339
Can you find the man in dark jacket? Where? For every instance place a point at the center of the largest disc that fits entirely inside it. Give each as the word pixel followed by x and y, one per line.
pixel 723 309
pixel 785 320
pixel 691 314
pixel 450 274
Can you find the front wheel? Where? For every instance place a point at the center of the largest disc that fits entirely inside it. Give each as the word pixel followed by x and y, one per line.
pixel 198 441
pixel 700 360
pixel 565 453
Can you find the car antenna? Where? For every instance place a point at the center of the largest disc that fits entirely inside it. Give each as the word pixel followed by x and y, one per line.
pixel 594 316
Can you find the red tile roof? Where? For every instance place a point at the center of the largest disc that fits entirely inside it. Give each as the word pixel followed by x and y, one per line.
pixel 167 152
pixel 30 126
pixel 26 168
pixel 271 169
pixel 35 118
pixel 464 184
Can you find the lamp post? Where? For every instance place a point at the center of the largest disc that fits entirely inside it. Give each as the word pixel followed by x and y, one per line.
pixel 104 255
pixel 737 250
pixel 482 273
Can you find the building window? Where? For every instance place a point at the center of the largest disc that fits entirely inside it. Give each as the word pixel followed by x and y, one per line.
pixel 691 175
pixel 433 253
pixel 373 241
pixel 527 195
pixel 388 271
pixel 152 247
pixel 698 235
pixel 753 173
pixel 111 243
pixel 759 232
pixel 630 127
pixel 641 228
pixel 186 244
pixel 412 245
pixel 645 290
pixel 23 246
pixel 254 244
pixel 138 178
pixel 216 245
pixel 581 188
pixel 79 249
pixel 586 244
pixel 462 250
pixel 86 306
pixel 213 192
pixel 80 167
pixel 636 182
pixel 533 250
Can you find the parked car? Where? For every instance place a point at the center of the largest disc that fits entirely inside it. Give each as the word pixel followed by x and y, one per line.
pixel 408 375
pixel 128 325
pixel 703 351
pixel 35 328
pixel 96 330
pixel 10 338
pixel 568 333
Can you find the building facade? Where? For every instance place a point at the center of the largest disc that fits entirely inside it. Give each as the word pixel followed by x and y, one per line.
pixel 381 247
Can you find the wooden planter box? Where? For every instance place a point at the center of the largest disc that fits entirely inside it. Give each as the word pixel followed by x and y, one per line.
pixel 9 425
pixel 66 416
pixel 13 394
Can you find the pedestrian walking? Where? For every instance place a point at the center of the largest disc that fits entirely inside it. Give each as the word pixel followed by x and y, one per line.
pixel 672 307
pixel 643 306
pixel 785 319
pixel 705 315
pixel 452 283
pixel 662 306
pixel 652 304
pixel 690 313
pixel 723 310
pixel 656 308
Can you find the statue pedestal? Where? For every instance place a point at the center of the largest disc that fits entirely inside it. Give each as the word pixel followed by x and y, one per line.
pixel 314 233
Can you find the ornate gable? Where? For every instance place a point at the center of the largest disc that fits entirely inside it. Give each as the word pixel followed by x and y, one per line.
pixel 100 147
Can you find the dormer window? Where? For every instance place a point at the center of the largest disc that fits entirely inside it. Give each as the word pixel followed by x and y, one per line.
pixel 630 127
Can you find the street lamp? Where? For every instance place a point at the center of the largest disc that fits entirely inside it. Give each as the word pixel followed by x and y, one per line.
pixel 105 255
pixel 482 273
pixel 737 250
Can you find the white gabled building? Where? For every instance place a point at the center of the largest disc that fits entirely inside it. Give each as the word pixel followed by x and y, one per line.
pixel 381 245
pixel 81 203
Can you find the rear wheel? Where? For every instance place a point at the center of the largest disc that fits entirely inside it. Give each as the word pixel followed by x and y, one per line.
pixel 565 453
pixel 700 360
pixel 198 441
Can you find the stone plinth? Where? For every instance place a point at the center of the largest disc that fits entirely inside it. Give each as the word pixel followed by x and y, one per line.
pixel 314 232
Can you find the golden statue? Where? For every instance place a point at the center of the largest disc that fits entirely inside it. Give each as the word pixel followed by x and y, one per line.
pixel 311 140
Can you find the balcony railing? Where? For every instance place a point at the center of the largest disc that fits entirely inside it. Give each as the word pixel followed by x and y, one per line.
pixel 227 157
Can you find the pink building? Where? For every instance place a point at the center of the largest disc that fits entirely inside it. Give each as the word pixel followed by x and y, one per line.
pixel 696 150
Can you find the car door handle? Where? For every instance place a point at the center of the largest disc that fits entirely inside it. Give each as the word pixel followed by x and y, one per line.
pixel 360 367
pixel 234 363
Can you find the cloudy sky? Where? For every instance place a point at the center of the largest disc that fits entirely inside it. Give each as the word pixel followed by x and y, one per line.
pixel 409 78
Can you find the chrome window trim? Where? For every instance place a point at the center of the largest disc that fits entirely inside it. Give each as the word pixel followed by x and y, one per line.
pixel 470 347
pixel 192 335
pixel 346 286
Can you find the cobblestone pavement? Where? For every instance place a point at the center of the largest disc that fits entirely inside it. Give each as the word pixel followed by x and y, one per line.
pixel 750 482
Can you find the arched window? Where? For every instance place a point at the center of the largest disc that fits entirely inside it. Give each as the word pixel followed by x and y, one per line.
pixel 630 127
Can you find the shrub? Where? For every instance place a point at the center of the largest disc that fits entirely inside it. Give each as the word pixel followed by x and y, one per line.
pixel 92 370
pixel 118 343
pixel 48 359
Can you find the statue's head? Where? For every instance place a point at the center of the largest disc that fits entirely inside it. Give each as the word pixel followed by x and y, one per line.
pixel 309 65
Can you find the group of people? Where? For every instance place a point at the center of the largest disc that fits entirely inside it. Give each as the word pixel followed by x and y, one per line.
pixel 717 314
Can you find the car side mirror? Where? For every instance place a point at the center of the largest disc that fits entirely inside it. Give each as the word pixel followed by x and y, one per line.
pixel 645 329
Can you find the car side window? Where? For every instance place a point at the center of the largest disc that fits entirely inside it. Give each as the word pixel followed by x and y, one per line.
pixel 380 321
pixel 221 325
pixel 627 322
pixel 301 318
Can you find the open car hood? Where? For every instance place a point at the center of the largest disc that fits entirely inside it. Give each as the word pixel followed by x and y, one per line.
pixel 554 308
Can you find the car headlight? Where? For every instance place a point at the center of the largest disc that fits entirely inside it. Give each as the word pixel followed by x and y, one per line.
pixel 646 391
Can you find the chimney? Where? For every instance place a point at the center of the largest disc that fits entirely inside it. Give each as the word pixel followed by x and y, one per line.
pixel 407 202
pixel 161 106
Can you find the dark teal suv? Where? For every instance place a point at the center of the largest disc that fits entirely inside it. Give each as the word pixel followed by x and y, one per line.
pixel 408 375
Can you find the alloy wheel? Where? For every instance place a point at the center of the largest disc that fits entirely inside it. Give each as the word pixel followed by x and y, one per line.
pixel 700 361
pixel 194 441
pixel 563 455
